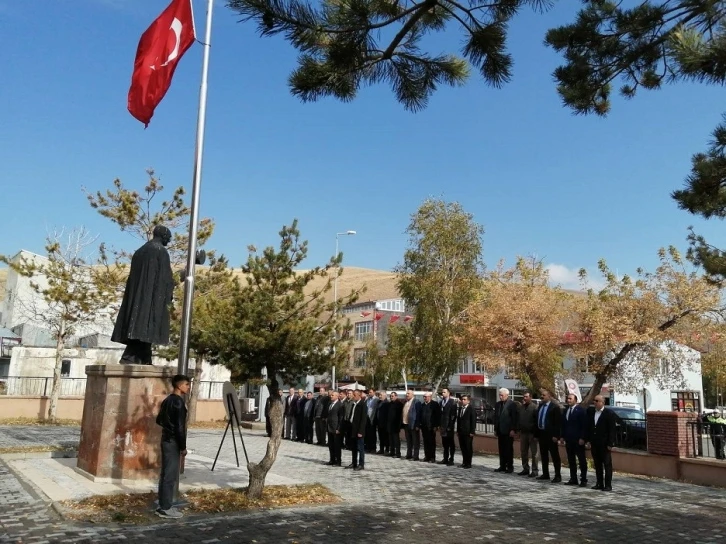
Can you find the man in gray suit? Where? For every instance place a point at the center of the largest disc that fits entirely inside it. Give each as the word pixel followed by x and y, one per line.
pixel 371 420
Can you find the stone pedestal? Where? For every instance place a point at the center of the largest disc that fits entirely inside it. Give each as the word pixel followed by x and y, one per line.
pixel 120 439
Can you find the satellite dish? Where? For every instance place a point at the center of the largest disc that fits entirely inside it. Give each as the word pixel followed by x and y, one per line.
pixel 228 391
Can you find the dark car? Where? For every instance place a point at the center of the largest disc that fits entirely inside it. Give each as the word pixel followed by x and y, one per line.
pixel 630 431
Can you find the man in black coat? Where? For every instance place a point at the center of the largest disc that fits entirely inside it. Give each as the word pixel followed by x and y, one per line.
pixel 309 417
pixel 333 425
pixel 395 422
pixel 466 430
pixel 448 426
pixel 382 422
pixel 505 426
pixel 548 432
pixel 430 422
pixel 290 424
pixel 601 435
pixel 143 319
pixel 300 415
pixel 321 412
pixel 358 418
pixel 574 433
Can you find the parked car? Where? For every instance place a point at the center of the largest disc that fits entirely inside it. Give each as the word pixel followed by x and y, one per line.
pixel 630 430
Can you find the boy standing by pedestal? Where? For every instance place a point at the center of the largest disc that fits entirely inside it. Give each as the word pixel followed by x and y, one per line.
pixel 173 419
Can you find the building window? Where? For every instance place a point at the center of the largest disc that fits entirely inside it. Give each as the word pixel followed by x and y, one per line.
pixel 664 367
pixel 359 358
pixel 363 330
pixel 510 372
pixel 65 368
pixel 686 401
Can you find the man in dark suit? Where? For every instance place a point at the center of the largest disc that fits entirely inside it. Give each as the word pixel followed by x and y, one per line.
pixel 601 436
pixel 430 421
pixel 348 407
pixel 448 426
pixel 505 426
pixel 395 422
pixel 321 412
pixel 549 421
pixel 358 418
pixel 466 430
pixel 382 423
pixel 333 425
pixel 574 433
pixel 290 426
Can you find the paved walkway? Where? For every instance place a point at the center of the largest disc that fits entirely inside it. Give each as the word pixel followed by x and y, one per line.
pixel 402 501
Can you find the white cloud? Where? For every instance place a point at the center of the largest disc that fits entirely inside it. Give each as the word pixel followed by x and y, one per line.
pixel 569 278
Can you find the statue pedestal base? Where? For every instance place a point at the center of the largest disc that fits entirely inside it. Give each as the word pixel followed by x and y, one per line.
pixel 120 439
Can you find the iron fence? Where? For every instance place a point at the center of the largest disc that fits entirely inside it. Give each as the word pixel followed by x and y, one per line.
pixel 34 386
pixel 631 433
pixel 706 440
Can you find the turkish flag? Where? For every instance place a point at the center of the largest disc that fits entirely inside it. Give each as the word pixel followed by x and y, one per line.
pixel 159 51
pixel 394 318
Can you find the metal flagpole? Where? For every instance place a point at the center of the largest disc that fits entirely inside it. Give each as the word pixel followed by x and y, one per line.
pixel 186 323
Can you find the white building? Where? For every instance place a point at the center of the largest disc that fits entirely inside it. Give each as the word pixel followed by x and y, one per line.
pixel 30 360
pixel 670 390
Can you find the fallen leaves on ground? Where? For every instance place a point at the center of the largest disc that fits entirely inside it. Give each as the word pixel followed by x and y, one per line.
pixel 34 449
pixel 208 425
pixel 27 421
pixel 138 508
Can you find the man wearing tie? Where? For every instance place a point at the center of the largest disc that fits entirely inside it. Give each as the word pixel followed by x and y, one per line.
pixel 448 424
pixel 334 424
pixel 574 432
pixel 466 429
pixel 602 439
pixel 549 420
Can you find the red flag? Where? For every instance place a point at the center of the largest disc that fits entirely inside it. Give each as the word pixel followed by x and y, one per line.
pixel 407 318
pixel 365 314
pixel 379 316
pixel 159 51
pixel 394 318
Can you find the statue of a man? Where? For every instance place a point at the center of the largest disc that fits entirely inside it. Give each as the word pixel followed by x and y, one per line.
pixel 143 319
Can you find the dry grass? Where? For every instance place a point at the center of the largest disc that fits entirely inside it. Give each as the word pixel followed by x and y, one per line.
pixel 27 421
pixel 208 424
pixel 138 508
pixel 34 449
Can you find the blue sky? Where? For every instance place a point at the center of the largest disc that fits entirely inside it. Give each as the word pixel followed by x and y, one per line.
pixel 542 181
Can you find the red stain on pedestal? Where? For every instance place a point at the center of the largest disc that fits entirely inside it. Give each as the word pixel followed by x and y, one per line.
pixel 119 435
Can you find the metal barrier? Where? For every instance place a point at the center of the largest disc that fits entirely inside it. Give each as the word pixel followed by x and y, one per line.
pixel 706 440
pixel 33 386
pixel 631 433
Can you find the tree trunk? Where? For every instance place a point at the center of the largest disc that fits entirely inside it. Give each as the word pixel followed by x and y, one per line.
pixel 600 379
pixel 55 389
pixel 405 379
pixel 194 395
pixel 258 471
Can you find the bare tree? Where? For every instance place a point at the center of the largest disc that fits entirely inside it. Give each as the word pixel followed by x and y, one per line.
pixel 69 292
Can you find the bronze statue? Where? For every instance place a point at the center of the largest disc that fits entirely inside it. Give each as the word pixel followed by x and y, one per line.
pixel 143 319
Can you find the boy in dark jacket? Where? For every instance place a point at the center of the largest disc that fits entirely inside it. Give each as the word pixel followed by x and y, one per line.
pixel 173 421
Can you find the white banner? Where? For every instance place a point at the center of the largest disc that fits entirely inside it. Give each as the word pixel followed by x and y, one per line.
pixel 572 387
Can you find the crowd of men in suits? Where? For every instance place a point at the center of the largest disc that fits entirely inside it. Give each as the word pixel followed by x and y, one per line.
pixel 371 424
pixel 546 427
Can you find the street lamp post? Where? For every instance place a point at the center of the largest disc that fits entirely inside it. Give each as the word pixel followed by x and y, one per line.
pixel 335 298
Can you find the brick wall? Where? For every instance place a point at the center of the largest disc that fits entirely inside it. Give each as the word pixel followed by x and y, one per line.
pixel 668 433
